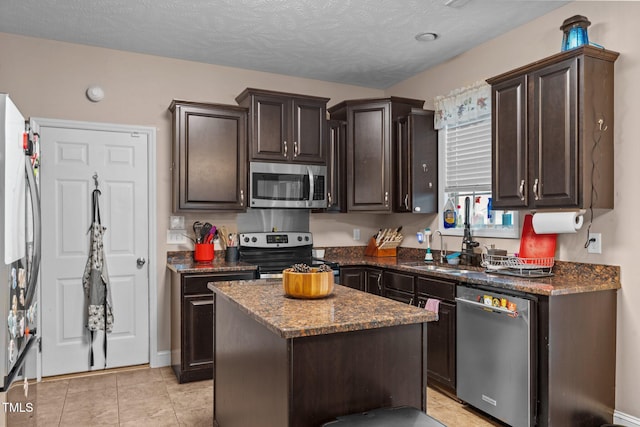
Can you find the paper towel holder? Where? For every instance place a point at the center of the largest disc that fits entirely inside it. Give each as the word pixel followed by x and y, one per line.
pixel 578 211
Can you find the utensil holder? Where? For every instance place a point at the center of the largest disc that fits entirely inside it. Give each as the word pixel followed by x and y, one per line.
pixel 203 252
pixel 373 250
pixel 231 254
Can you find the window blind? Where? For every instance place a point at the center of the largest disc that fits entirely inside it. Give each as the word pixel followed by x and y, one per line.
pixel 468 157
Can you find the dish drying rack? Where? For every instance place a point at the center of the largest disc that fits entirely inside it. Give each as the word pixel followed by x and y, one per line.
pixel 515 266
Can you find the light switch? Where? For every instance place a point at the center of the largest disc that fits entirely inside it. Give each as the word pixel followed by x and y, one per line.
pixel 176 222
pixel 356 234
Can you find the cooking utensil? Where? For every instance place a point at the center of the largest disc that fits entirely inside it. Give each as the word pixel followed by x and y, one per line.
pixel 197 231
pixel 206 228
pixel 223 234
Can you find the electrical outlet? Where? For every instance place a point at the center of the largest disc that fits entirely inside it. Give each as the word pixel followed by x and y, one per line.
pixel 176 237
pixel 595 246
pixel 356 234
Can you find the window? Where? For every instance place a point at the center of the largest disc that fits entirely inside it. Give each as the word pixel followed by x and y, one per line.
pixel 466 172
pixel 463 120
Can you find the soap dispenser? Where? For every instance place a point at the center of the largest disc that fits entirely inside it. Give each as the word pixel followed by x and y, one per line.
pixel 428 256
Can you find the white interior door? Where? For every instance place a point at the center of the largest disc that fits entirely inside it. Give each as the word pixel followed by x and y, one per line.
pixel 70 158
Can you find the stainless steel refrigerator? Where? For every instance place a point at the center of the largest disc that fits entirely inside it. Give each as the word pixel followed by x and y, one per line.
pixel 19 266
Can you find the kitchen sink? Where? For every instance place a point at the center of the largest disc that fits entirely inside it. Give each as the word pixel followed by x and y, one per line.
pixel 439 268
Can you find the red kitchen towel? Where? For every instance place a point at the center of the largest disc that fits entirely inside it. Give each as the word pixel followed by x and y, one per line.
pixel 432 305
pixel 536 246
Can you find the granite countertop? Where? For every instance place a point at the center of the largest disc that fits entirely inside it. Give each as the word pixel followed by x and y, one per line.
pixel 568 278
pixel 344 310
pixel 182 262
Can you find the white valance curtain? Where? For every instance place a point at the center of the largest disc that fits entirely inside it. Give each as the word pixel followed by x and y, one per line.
pixel 463 105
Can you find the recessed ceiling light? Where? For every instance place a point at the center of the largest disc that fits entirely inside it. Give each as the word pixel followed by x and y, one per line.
pixel 426 37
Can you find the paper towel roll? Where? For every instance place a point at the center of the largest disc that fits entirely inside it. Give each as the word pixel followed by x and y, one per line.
pixel 557 222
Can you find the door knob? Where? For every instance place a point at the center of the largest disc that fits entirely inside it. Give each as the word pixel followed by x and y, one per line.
pixel 141 262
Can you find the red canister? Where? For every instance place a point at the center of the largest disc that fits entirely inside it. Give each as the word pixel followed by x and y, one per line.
pixel 203 252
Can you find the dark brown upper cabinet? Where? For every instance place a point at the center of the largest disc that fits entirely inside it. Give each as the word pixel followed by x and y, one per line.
pixel 209 156
pixel 416 163
pixel 336 161
pixel 285 127
pixel 369 166
pixel 552 132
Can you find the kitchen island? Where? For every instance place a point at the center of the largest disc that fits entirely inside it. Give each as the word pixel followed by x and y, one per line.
pixel 280 361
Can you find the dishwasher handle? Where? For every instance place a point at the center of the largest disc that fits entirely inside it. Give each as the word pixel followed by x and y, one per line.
pixel 488 307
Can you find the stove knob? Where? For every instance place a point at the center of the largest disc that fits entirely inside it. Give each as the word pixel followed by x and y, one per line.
pixel 306 238
pixel 299 238
pixel 254 239
pixel 246 240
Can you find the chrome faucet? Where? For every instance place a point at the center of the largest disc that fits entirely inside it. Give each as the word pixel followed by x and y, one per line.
pixel 443 253
pixel 467 240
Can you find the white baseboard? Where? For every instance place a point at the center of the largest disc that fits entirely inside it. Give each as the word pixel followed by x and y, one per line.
pixel 162 358
pixel 625 419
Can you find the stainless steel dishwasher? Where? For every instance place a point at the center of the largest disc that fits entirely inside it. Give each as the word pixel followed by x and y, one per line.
pixel 496 354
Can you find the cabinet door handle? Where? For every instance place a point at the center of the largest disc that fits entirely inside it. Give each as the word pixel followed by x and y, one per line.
pixel 521 190
pixel 406 201
pixel 295 148
pixel 379 282
pixel 386 199
pixel 411 301
pixel 329 200
pixel 535 189
pixel 285 148
pixel 241 197
pixel 425 168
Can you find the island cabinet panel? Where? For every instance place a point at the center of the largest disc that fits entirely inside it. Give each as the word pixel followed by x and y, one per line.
pixel 285 127
pixel 192 323
pixel 330 373
pixel 209 156
pixel 552 125
pixel 263 379
pixel 441 335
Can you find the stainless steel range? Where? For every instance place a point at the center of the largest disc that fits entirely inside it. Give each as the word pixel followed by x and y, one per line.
pixel 276 251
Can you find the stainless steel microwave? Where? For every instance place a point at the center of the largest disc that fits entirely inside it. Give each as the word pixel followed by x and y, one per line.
pixel 287 185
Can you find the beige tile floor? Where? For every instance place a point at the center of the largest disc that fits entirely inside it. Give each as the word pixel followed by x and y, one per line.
pixel 144 396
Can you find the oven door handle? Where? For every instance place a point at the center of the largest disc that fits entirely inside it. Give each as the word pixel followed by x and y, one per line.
pixel 311 186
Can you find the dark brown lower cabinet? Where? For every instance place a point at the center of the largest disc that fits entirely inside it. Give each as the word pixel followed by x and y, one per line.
pixel 192 323
pixel 373 281
pixel 353 277
pixel 441 334
pixel 365 279
pixel 399 286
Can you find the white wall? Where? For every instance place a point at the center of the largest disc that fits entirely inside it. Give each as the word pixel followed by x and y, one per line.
pixel 615 26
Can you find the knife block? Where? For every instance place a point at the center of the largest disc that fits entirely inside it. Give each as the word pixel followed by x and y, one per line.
pixel 373 250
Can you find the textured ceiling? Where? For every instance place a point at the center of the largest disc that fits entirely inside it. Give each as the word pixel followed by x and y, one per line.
pixel 361 42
